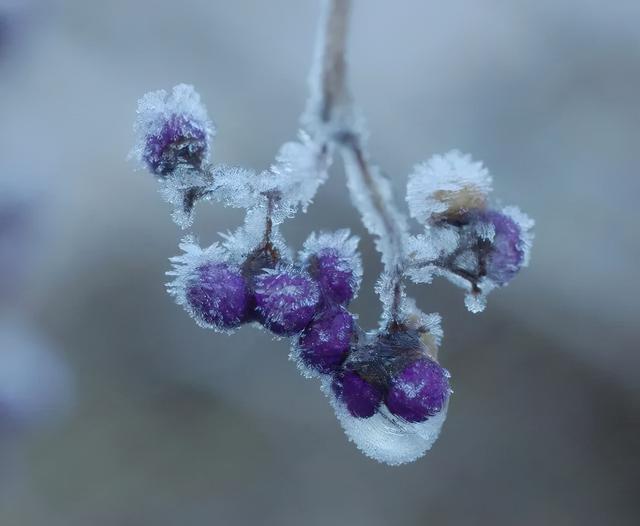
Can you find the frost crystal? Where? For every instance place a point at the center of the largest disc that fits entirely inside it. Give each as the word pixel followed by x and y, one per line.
pixel 251 235
pixel 385 437
pixel 333 260
pixel 419 391
pixel 325 342
pixel 207 286
pixel 447 184
pixel 286 300
pixel 373 220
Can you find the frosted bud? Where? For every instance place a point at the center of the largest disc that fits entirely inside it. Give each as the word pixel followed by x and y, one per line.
pixel 218 296
pixel 325 342
pixel 209 287
pixel 361 398
pixel 286 300
pixel 173 130
pixel 509 246
pixel 333 261
pixel 418 391
pixel 447 186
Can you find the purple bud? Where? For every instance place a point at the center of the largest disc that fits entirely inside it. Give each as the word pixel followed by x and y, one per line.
pixel 506 255
pixel 286 300
pixel 180 140
pixel 334 262
pixel 419 391
pixel 218 296
pixel 334 275
pixel 325 341
pixel 361 398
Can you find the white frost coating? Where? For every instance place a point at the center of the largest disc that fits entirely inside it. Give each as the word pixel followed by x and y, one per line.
pixel 425 250
pixel 36 386
pixel 156 107
pixel 385 437
pixel 173 191
pixel 476 302
pixel 285 297
pixel 345 246
pixel 389 232
pixel 328 108
pixel 299 170
pixel 184 268
pixel 432 323
pixel 526 225
pixel 452 179
pixel 233 186
pixel 244 240
pixel 292 181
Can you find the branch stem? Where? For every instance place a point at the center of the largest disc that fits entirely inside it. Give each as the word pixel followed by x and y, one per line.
pixel 330 111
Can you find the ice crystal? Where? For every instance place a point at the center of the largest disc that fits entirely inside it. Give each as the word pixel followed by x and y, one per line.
pixel 333 260
pixel 447 184
pixel 385 437
pixel 286 300
pixel 187 272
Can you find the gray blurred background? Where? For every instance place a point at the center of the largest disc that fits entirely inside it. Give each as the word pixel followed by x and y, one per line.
pixel 172 424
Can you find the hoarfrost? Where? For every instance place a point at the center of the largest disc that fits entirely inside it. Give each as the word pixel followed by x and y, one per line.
pixel 184 270
pixel 388 231
pixel 425 250
pixel 344 244
pixel 452 179
pixel 300 168
pixel 385 437
pixel 251 235
pixel 526 225
pixel 157 107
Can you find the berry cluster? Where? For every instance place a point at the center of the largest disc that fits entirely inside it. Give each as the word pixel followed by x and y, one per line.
pixel 386 385
pixel 466 240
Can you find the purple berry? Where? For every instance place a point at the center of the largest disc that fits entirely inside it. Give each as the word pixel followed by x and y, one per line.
pixel 286 301
pixel 506 254
pixel 419 391
pixel 325 341
pixel 218 296
pixel 181 140
pixel 334 275
pixel 361 398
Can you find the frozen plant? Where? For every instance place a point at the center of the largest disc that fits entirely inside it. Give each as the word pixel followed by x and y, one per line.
pixel 386 385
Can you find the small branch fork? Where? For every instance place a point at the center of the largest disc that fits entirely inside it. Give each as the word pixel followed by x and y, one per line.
pixel 330 112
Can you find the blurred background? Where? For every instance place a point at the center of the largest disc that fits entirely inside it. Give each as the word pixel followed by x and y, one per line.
pixel 119 410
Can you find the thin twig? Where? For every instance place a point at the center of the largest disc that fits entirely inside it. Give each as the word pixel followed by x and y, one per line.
pixel 371 199
pixel 330 109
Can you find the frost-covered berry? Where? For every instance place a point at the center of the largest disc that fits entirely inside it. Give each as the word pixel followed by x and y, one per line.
pixel 332 259
pixel 286 300
pixel 172 130
pixel 447 185
pixel 360 397
pixel 419 391
pixel 218 296
pixel 180 140
pixel 325 341
pixel 210 287
pixel 507 252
